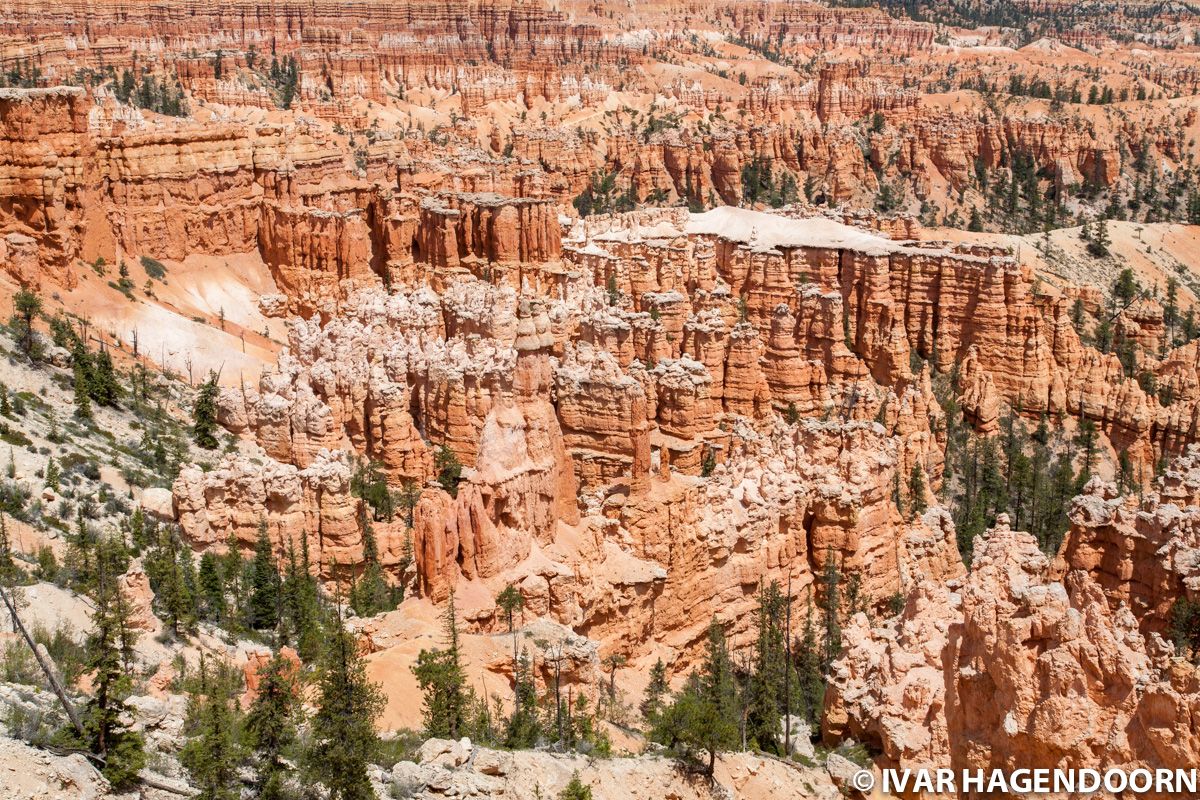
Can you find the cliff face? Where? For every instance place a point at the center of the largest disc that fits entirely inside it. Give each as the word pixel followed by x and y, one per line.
pixel 630 392
pixel 105 183
pixel 327 186
pixel 1011 668
pixel 1143 555
pixel 627 387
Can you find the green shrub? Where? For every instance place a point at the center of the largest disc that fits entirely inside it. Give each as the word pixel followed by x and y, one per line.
pixel 154 268
pixel 449 470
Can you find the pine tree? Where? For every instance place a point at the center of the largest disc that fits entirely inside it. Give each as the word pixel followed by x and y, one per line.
pixel 917 501
pixel 811 678
pixel 703 717
pixel 26 307
pixel 10 573
pixel 233 571
pixel 214 751
pixel 1171 310
pixel 524 727
pixel 830 610
pixel 212 589
pixel 109 658
pixel 53 474
pixel 575 789
pixel 1125 287
pixel 510 601
pixel 104 388
pixel 83 400
pixel 301 602
pixel 771 670
pixel 204 414
pixel 443 682
pixel 343 729
pixel 1103 335
pixel 1126 482
pixel 976 222
pixel 408 497
pixel 1085 440
pixel 271 725
pixel 173 591
pixel 1184 627
pixel 80 558
pixel 264 588
pixel 370 594
pixel 1060 493
pixel 449 469
pixel 370 484
pixel 656 690
pixel 406 561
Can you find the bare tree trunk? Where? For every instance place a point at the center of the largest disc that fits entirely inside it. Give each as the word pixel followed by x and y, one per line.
pixel 558 699
pixel 787 676
pixel 47 668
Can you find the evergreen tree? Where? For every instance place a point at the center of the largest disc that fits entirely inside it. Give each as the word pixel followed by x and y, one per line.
pixel 917 502
pixel 1184 627
pixel 1125 287
pixel 301 603
pixel 766 701
pixel 830 610
pixel 407 499
pixel 370 484
pixel 343 729
pixel 510 601
pixel 10 573
pixel 271 725
pixel 109 658
pixel 370 594
pixel 1055 522
pixel 575 789
pixel 204 414
pixel 1085 440
pixel 656 690
pixel 524 727
pixel 811 678
pixel 443 682
pixel 53 474
pixel 83 400
pixel 214 751
pixel 1171 310
pixel 703 717
pixel 449 469
pixel 233 571
pixel 212 589
pixel 80 559
pixel 976 222
pixel 26 308
pixel 264 588
pixel 173 591
pixel 187 576
pixel 104 388
pixel 1102 336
